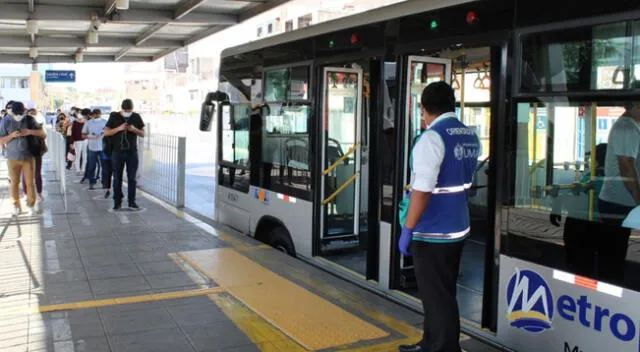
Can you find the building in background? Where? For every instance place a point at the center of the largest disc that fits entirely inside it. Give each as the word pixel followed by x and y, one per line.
pixel 15 83
pixel 177 61
pixel 299 14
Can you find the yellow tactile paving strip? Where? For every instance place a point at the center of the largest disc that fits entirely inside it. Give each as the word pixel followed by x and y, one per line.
pixel 264 335
pixel 308 319
pixel 114 301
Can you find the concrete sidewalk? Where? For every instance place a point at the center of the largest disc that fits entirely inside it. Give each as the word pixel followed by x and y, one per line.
pixel 88 279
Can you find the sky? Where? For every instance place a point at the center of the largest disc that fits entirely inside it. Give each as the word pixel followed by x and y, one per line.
pixel 96 75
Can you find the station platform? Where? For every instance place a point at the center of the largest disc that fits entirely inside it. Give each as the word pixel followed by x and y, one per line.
pixel 88 279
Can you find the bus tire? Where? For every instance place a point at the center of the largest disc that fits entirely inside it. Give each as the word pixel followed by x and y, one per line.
pixel 279 239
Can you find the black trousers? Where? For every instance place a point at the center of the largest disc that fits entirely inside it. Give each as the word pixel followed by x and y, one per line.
pixel 120 160
pixel 436 268
pixel 614 241
pixel 581 239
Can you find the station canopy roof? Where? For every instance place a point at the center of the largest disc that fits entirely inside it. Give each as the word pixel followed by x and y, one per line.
pixel 58 31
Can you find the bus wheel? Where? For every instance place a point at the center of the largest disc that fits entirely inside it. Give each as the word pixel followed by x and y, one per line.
pixel 279 239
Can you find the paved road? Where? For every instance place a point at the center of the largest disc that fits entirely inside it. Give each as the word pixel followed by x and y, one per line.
pixel 200 168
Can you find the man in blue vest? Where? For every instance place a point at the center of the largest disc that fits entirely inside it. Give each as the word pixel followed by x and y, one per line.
pixel 443 163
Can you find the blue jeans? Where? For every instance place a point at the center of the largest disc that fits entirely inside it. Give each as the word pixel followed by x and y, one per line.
pixel 93 158
pixel 107 170
pixel 129 159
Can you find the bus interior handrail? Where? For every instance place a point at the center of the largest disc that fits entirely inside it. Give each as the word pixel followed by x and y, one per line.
pixel 343 158
pixel 341 189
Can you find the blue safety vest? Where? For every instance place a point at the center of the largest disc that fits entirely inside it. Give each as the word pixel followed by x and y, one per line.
pixel 446 218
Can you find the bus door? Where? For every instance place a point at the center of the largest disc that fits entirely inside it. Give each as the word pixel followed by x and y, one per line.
pixel 421 71
pixel 341 214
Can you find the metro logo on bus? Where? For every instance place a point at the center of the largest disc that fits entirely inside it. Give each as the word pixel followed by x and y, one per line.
pixel 529 302
pixel 531 305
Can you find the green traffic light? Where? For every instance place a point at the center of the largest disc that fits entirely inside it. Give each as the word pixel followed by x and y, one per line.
pixel 332 43
pixel 434 25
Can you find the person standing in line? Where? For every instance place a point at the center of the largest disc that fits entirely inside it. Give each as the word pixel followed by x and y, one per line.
pixel 93 131
pixel 443 164
pixel 6 114
pixel 79 142
pixel 38 170
pixel 68 124
pixel 124 128
pixel 107 165
pixel 97 114
pixel 13 133
pixel 620 193
pixel 60 125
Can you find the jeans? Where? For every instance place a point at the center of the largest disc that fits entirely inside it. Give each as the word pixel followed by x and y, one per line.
pixel 93 159
pixel 107 171
pixel 129 159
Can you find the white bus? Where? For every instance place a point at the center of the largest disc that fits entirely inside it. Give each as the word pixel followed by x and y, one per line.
pixel 314 132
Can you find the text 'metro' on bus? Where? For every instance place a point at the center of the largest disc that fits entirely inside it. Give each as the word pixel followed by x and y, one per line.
pixel 314 129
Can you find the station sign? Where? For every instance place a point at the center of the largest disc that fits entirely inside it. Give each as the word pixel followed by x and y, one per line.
pixel 60 76
pixel 545 310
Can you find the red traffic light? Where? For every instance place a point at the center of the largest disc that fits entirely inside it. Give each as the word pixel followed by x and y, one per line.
pixel 472 17
pixel 355 39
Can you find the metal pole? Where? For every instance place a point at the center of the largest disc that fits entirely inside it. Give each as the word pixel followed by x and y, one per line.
pixel 534 176
pixel 182 166
pixel 592 166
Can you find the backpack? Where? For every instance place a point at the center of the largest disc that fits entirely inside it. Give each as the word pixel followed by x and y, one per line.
pixel 36 145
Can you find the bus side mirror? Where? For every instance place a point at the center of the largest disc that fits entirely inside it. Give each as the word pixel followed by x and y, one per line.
pixel 207 112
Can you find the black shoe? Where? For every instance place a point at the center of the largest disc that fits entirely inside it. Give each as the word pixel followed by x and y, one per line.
pixel 117 206
pixel 91 187
pixel 410 348
pixel 133 205
pixel 106 195
pixel 83 180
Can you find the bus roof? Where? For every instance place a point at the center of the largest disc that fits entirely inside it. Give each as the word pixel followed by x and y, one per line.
pixel 409 7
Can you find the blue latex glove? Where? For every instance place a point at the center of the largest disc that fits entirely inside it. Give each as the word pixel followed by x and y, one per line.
pixel 405 241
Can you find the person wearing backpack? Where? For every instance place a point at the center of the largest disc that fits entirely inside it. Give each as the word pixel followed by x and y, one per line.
pixel 14 132
pixel 107 164
pixel 38 170
pixel 93 131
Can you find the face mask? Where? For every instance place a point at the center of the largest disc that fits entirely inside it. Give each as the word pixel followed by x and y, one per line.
pixel 126 114
pixel 18 118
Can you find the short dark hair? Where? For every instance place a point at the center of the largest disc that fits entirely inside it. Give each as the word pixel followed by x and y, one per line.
pixel 17 108
pixel 96 112
pixel 438 98
pixel 127 104
pixel 9 104
pixel 85 112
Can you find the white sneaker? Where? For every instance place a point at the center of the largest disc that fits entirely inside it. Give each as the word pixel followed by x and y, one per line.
pixel 16 211
pixel 38 206
pixel 31 211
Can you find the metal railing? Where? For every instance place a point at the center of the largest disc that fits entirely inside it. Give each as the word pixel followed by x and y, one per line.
pixel 56 143
pixel 161 171
pixel 163 165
